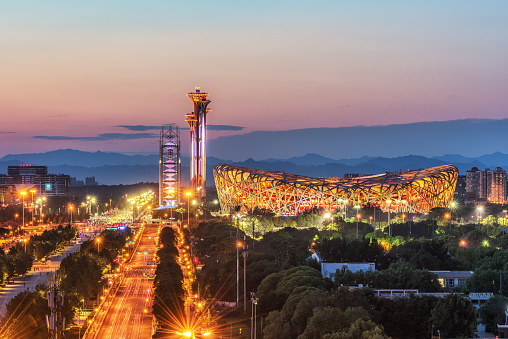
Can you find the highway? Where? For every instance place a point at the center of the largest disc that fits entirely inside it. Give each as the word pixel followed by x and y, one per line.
pixel 129 315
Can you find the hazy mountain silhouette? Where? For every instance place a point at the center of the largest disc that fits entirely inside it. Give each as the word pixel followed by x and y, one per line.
pixel 469 137
pixel 117 168
pixel 79 158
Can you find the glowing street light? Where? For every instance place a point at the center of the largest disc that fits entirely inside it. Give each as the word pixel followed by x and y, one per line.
pixel 33 207
pixel 358 216
pixel 188 194
pixel 389 205
pixel 71 207
pixel 23 193
pixel 448 218
pixel 479 210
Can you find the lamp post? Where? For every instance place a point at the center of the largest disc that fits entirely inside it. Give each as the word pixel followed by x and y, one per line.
pixel 98 242
pixel 33 205
pixel 479 211
pixel 253 320
pixel 504 221
pixel 245 254
pixel 452 207
pixel 238 245
pixel 71 207
pixel 23 193
pixel 172 192
pixel 16 217
pixel 389 204
pixel 188 194
pixel 358 216
pixel 328 216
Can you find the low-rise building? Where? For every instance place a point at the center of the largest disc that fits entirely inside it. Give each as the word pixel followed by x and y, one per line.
pixel 328 269
pixel 452 279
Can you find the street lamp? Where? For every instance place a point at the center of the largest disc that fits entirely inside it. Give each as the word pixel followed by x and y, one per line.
pixel 98 242
pixel 358 216
pixel 447 217
pixel 253 320
pixel 479 211
pixel 172 192
pixel 329 216
pixel 357 208
pixel 389 204
pixel 188 194
pixel 245 254
pixel 71 207
pixel 238 246
pixel 23 193
pixel 33 205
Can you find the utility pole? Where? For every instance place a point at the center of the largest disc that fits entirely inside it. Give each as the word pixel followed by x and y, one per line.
pixel 254 221
pixel 253 315
pixel 245 254
pixel 54 321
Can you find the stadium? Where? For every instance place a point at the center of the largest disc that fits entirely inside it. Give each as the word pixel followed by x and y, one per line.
pixel 287 194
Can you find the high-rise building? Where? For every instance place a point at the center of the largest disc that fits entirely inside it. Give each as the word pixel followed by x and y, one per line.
pixel 197 124
pixel 496 185
pixel 460 188
pixel 486 186
pixel 37 176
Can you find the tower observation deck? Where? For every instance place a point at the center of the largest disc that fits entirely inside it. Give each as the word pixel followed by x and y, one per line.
pixel 197 124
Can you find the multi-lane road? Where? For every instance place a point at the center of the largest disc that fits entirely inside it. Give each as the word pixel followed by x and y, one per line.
pixel 129 315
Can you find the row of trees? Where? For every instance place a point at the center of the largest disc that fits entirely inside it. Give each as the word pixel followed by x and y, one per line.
pixel 300 304
pixel 169 295
pixel 13 263
pixel 50 241
pixel 80 277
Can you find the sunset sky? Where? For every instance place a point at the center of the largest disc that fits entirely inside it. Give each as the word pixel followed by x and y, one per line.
pixel 80 74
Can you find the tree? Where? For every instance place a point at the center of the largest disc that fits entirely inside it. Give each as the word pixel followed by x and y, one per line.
pixel 492 312
pixel 80 274
pixel 25 316
pixel 455 317
pixel 275 289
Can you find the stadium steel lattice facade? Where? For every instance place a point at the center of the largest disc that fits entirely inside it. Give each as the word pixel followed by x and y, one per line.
pixel 288 194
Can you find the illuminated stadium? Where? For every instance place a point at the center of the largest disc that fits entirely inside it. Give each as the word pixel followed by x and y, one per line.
pixel 289 194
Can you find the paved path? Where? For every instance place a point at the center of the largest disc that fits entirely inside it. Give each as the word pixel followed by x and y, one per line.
pixel 33 278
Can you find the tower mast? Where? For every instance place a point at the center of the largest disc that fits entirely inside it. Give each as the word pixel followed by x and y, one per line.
pixel 197 124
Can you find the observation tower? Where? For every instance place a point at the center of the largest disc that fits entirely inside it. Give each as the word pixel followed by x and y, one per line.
pixel 197 124
pixel 169 167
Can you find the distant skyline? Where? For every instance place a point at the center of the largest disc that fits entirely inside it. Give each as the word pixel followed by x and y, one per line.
pixel 94 75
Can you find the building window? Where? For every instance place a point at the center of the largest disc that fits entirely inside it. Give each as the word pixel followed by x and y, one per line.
pixel 449 282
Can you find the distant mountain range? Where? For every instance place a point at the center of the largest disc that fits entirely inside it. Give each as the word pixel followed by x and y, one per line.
pixel 466 137
pixel 116 168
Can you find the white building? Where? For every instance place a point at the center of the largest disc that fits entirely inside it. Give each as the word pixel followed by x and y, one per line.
pixel 328 269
